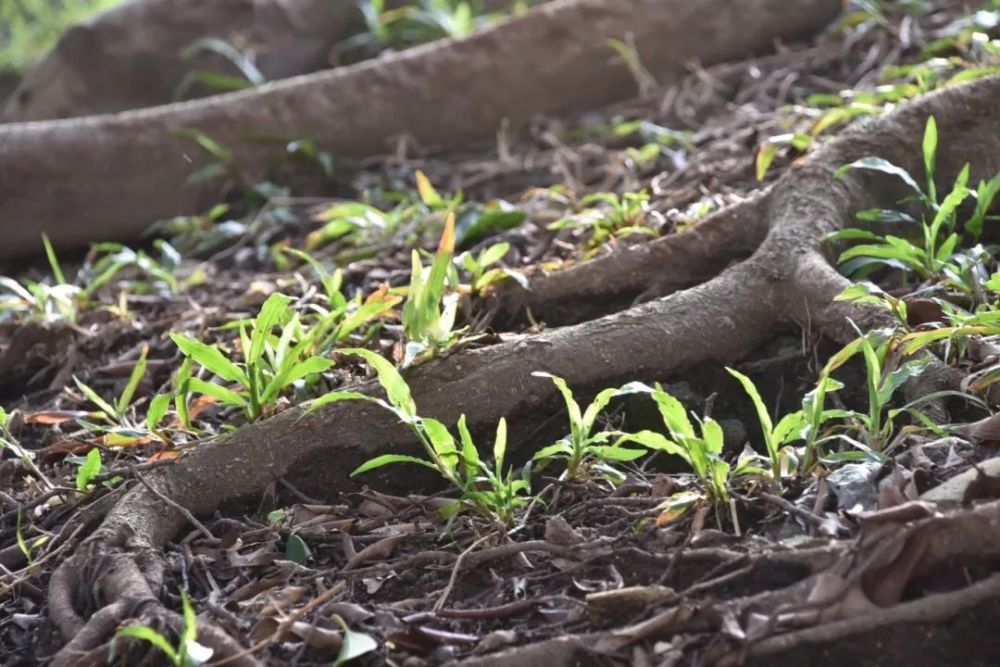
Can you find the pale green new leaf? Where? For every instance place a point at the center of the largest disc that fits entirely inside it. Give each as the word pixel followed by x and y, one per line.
pixel 616 453
pixel 96 399
pixel 90 469
pixel 470 455
pixel 500 444
pixel 712 433
pixel 138 372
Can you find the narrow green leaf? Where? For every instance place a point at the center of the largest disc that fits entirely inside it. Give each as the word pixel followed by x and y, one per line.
pixel 766 425
pixel 138 372
pixel 615 453
pixel 390 459
pixel 217 391
pixel 211 358
pixel 884 166
pixel 50 254
pixel 96 399
pixel 392 382
pixel 712 432
pixel 157 410
pixel 572 407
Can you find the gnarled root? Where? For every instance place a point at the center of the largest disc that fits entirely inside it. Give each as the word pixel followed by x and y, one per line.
pixel 720 319
pixel 444 94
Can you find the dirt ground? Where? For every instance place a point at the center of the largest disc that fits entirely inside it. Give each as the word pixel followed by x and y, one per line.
pixel 851 562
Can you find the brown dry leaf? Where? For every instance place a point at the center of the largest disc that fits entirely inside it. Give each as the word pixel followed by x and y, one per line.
pixel 984 431
pixel 261 557
pixel 199 405
pixel 164 455
pixel 378 550
pixel 49 417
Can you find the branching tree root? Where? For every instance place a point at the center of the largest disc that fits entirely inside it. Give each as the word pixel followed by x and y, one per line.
pixel 785 281
pixel 442 94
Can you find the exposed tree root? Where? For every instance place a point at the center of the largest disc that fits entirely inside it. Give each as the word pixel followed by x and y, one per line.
pixel 132 56
pixel 129 57
pixel 785 280
pixel 445 94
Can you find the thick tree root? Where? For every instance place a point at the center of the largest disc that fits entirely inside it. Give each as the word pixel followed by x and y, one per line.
pixel 443 94
pixel 133 55
pixel 784 281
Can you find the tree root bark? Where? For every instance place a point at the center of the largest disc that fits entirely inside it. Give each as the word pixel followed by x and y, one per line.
pixel 131 56
pixel 785 281
pixel 137 167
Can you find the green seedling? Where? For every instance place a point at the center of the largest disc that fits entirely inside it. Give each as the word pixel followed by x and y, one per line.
pixel 606 215
pixel 115 420
pixel 360 224
pixel 28 548
pixel 64 300
pixel 112 258
pixel 40 301
pixel 776 436
pixel 807 425
pixel 339 318
pixel 418 23
pixel 493 493
pixel 271 364
pixel 11 444
pixel 585 450
pixel 934 252
pixel 770 149
pixel 187 653
pixel 199 235
pixel 482 272
pixel 886 370
pixel 701 447
pixel 429 311
pixel 89 468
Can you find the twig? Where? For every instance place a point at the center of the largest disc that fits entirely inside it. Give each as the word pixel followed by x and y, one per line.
pixel 439 605
pixel 293 618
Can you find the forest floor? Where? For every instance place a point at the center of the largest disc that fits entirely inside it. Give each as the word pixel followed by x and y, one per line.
pixel 625 548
